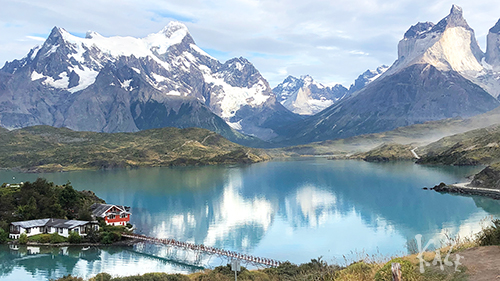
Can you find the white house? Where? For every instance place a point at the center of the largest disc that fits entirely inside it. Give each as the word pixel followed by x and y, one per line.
pixel 49 226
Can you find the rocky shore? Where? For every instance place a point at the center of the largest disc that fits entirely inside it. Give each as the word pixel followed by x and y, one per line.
pixel 463 189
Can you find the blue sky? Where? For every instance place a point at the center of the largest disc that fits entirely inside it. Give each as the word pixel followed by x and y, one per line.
pixel 331 40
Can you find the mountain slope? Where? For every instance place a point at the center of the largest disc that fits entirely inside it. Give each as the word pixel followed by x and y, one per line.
pixel 424 84
pixel 367 77
pixel 307 97
pixel 44 148
pixel 476 147
pixel 92 83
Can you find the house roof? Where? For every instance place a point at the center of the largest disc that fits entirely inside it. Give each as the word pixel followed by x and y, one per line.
pixel 99 210
pixel 52 223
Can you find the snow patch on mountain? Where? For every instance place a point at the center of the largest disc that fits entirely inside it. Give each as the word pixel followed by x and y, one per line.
pixel 367 77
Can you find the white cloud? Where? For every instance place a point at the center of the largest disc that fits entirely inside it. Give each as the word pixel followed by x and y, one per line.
pixel 330 40
pixel 36 38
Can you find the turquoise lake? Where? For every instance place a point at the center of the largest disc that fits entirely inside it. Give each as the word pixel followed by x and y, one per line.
pixel 285 210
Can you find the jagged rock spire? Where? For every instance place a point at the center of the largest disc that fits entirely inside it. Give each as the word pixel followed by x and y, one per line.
pixel 493 47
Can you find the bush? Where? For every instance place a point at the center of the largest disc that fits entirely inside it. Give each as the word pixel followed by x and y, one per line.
pixel 490 235
pixel 74 238
pixel 23 239
pixel 110 237
pixel 408 269
pixel 70 278
pixel 3 236
pixel 40 238
pixel 151 277
pixel 56 238
pixel 92 236
pixel 101 277
pixel 285 270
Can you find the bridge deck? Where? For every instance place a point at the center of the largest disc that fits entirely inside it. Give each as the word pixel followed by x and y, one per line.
pixel 206 249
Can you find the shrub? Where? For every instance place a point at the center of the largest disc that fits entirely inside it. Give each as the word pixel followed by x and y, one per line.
pixel 23 239
pixel 56 238
pixel 285 270
pixel 3 236
pixel 490 235
pixel 74 238
pixel 40 238
pixel 408 269
pixel 70 278
pixel 45 238
pixel 92 236
pixel 110 237
pixel 101 277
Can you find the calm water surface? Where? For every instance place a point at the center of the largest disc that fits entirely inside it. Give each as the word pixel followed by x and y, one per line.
pixel 285 210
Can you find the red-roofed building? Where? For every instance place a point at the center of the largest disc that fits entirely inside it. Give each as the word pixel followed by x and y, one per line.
pixel 112 214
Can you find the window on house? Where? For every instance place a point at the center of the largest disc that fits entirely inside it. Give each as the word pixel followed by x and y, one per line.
pixel 111 217
pixel 61 230
pixel 40 229
pixel 28 230
pixel 123 216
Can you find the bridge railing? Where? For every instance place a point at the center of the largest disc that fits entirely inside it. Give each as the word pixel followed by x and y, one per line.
pixel 206 249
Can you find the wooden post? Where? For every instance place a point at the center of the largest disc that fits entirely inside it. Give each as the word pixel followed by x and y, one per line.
pixel 396 271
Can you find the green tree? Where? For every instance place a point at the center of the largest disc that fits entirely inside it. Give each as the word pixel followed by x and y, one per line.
pixel 3 236
pixel 23 239
pixel 68 196
pixel 28 211
pixel 74 237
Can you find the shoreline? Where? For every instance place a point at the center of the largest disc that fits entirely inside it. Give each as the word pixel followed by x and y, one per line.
pixel 462 188
pixel 122 243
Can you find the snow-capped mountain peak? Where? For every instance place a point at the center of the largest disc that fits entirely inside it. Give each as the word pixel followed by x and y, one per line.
pixel 307 97
pixel 158 68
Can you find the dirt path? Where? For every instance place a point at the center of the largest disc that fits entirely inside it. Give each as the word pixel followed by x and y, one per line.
pixel 483 263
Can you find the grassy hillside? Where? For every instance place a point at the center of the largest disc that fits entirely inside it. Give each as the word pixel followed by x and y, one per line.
pixel 386 152
pixel 481 146
pixel 45 148
pixel 489 177
pixel 418 135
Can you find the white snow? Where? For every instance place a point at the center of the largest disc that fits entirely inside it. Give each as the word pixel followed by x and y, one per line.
pixel 126 84
pixel 173 93
pixel 301 101
pixel 35 76
pixel 87 78
pixel 158 78
pixel 233 98
pixel 53 49
pixel 61 83
pixel 136 70
pixel 235 125
pixel 36 49
pixel 114 47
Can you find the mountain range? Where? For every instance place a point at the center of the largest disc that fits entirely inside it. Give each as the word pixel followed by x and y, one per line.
pixel 440 73
pixel 125 84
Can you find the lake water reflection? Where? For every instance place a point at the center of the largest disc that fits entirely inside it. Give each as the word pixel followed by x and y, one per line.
pixel 285 210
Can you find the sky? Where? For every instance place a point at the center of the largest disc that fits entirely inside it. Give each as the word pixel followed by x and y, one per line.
pixel 332 40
